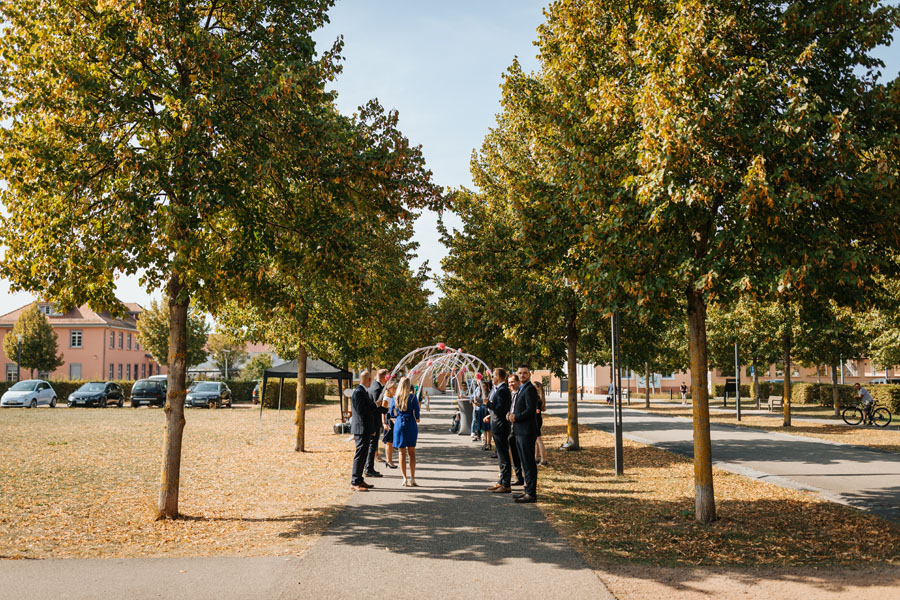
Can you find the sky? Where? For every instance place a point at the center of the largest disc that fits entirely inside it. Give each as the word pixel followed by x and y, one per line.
pixel 440 65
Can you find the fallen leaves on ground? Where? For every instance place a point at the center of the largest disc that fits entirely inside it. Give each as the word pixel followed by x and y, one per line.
pixel 84 482
pixel 647 516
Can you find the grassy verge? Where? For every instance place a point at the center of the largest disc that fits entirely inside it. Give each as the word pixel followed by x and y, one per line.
pixel 887 439
pixel 83 483
pixel 647 516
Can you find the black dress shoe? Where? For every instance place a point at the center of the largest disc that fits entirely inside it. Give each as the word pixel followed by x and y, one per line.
pixel 373 474
pixel 518 482
pixel 526 499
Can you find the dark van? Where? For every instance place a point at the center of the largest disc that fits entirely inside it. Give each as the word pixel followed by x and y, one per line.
pixel 151 392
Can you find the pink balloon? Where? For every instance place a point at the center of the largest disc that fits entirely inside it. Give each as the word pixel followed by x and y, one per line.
pixel 430 362
pixel 479 376
pixel 415 371
pixel 442 346
pixel 463 370
pixel 389 377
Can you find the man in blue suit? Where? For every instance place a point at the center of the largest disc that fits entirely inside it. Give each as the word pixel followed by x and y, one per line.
pixel 524 420
pixel 362 426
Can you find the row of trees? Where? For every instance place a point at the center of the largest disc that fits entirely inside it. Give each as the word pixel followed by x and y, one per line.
pixel 671 159
pixel 196 143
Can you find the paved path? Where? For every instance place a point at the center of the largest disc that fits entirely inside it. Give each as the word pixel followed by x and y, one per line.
pixel 446 539
pixel 853 475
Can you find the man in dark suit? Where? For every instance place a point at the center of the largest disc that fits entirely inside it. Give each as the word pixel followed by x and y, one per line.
pixel 362 426
pixel 375 392
pixel 514 385
pixel 500 403
pixel 524 420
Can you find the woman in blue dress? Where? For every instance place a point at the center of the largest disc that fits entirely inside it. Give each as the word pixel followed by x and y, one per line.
pixel 405 410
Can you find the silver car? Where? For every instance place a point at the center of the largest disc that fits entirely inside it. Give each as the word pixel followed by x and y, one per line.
pixel 30 393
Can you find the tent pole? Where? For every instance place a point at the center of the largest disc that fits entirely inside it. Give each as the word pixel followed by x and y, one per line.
pixel 280 390
pixel 262 400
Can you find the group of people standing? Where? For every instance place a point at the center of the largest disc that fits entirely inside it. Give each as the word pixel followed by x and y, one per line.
pixel 512 409
pixel 386 409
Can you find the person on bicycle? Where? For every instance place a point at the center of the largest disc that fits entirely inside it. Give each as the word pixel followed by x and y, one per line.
pixel 866 398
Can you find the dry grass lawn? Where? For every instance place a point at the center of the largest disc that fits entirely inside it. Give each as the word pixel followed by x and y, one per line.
pixel 647 516
pixel 83 483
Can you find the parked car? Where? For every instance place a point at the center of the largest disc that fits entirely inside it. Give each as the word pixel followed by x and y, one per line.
pixel 256 392
pixel 209 394
pixel 97 393
pixel 30 393
pixel 151 392
pixel 883 381
pixel 158 378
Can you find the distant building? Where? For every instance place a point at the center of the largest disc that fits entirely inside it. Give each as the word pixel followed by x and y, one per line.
pixel 94 345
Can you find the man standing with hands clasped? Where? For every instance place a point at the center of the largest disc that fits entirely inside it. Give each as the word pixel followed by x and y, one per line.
pixel 380 409
pixel 362 426
pixel 500 403
pixel 524 419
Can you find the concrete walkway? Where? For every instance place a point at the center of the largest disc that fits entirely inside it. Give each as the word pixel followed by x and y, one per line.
pixel 853 475
pixel 447 538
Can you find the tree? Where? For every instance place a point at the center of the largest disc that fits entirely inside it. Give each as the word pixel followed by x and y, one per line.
pixel 179 126
pixel 718 145
pixel 227 353
pixel 255 367
pixel 39 342
pixel 153 333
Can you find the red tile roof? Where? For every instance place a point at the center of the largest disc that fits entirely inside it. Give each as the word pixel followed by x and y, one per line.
pixel 83 315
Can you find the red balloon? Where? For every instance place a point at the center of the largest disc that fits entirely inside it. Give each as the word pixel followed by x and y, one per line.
pixel 430 362
pixel 442 346
pixel 479 376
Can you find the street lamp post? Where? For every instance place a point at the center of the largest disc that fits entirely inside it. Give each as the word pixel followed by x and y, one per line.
pixel 617 393
pixel 737 379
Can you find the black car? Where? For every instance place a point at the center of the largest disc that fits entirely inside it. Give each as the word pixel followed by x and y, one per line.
pixel 209 394
pixel 151 392
pixel 97 393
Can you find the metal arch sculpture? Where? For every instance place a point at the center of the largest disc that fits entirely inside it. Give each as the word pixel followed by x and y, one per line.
pixel 429 362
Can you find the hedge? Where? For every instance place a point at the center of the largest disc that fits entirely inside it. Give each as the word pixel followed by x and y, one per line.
pixel 719 390
pixel 888 395
pixel 315 393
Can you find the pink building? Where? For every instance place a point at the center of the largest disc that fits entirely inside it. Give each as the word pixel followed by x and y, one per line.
pixel 95 346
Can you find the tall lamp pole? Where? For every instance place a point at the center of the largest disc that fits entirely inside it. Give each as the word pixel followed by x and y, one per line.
pixel 617 394
pixel 737 379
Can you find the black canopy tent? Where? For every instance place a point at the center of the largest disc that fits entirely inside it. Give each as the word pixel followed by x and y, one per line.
pixel 316 368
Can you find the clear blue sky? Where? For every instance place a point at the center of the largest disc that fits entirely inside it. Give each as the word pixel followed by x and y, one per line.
pixel 440 65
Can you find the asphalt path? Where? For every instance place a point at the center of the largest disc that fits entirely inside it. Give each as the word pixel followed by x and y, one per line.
pixel 447 538
pixel 861 477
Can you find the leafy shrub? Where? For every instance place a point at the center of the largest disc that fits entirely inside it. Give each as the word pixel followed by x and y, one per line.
pixel 888 395
pixel 719 390
pixel 315 393
pixel 846 395
pixel 242 391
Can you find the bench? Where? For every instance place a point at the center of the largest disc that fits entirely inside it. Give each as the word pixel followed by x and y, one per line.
pixel 776 402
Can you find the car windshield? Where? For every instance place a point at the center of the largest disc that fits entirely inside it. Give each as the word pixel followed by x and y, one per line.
pixel 24 386
pixel 206 387
pixel 92 387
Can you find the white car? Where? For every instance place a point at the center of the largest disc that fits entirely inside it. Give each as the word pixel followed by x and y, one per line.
pixel 30 393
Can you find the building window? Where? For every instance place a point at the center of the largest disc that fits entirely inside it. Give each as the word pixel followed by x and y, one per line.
pixel 143 370
pixel 128 371
pixel 779 368
pixel 75 371
pixel 75 338
pixel 112 371
pixel 10 373
pixel 157 369
pixel 120 372
pixel 46 309
pixel 112 339
pixel 121 340
pixel 43 374
pixel 137 345
pixel 129 342
pixel 135 371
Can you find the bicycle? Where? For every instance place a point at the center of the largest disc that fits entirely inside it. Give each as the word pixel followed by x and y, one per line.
pixel 878 416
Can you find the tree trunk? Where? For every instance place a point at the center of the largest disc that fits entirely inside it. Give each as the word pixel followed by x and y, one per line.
pixel 175 394
pixel 705 506
pixel 835 394
pixel 572 349
pixel 300 408
pixel 756 387
pixel 787 380
pixel 647 382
